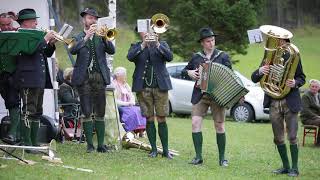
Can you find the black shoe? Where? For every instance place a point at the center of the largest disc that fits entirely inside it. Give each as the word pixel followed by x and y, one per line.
pixel 167 155
pixel 293 173
pixel 224 163
pixel 9 139
pixel 103 149
pixel 153 154
pixel 90 148
pixel 196 161
pixel 281 171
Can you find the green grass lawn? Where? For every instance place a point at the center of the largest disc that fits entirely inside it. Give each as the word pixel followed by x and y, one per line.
pixel 250 151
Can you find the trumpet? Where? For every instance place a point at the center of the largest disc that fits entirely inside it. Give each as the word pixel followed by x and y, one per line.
pixel 63 34
pixel 107 33
pixel 69 41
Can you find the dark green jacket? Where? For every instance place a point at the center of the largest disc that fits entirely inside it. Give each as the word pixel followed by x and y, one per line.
pixel 81 49
pixel 7 64
pixel 67 95
pixel 309 107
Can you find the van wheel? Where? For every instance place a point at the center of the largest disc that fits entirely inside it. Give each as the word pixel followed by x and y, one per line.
pixel 242 112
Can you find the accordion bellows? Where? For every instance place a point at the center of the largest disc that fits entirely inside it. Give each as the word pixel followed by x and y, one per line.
pixel 221 83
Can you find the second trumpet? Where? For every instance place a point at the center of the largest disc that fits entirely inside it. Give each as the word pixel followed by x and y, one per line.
pixel 108 33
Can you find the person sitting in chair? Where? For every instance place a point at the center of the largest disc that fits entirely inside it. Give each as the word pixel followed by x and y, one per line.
pixel 310 114
pixel 130 114
pixel 67 95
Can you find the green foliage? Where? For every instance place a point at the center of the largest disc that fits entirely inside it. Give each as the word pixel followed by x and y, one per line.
pixel 230 20
pixel 142 9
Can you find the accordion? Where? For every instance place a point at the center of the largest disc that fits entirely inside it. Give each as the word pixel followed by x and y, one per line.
pixel 221 83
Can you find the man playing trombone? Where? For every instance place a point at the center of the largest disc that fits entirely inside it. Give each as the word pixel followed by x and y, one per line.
pixel 151 82
pixel 90 76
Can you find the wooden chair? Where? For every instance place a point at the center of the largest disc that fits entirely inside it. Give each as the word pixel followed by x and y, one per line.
pixel 310 130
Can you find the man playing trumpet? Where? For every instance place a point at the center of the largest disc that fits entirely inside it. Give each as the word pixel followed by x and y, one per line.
pixel 90 76
pixel 32 77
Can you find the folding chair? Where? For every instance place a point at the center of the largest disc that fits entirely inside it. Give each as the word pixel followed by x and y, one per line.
pixel 311 131
pixel 71 131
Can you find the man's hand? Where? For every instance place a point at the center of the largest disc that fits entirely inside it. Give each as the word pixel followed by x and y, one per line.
pixel 194 74
pixel 90 32
pixel 49 36
pixel 52 41
pixel 264 70
pixel 241 101
pixel 291 83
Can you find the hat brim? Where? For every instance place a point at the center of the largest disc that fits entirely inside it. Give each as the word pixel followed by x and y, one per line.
pixel 214 35
pixel 84 13
pixel 25 17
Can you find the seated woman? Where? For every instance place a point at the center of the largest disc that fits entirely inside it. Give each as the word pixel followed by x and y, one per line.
pixel 68 98
pixel 130 114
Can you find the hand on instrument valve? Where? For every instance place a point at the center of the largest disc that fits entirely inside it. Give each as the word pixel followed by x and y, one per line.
pixel 49 36
pixel 291 83
pixel 194 74
pixel 90 32
pixel 264 70
pixel 150 44
pixel 241 101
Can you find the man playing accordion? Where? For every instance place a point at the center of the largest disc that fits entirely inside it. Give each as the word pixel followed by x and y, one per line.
pixel 202 101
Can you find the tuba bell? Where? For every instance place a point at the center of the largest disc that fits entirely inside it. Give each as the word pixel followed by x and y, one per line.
pixel 128 141
pixel 274 84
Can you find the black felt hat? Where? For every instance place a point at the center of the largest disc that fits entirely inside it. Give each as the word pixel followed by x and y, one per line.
pixel 89 11
pixel 205 33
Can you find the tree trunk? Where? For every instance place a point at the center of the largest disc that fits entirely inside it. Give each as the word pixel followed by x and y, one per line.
pixel 299 14
pixel 80 7
pixel 279 12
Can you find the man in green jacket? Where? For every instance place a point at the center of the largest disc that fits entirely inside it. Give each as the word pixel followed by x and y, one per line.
pixel 7 90
pixel 310 114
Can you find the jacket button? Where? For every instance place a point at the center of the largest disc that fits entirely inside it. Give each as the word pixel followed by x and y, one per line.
pixel 142 78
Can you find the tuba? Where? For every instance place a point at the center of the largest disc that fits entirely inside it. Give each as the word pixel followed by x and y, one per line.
pixel 128 141
pixel 274 84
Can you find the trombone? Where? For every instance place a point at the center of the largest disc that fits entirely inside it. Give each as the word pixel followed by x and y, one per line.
pixel 160 23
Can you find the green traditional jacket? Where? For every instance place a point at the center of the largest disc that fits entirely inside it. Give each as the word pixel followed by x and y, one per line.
pixel 7 64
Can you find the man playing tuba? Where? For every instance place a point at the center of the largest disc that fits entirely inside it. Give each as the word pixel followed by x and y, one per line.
pixel 284 109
